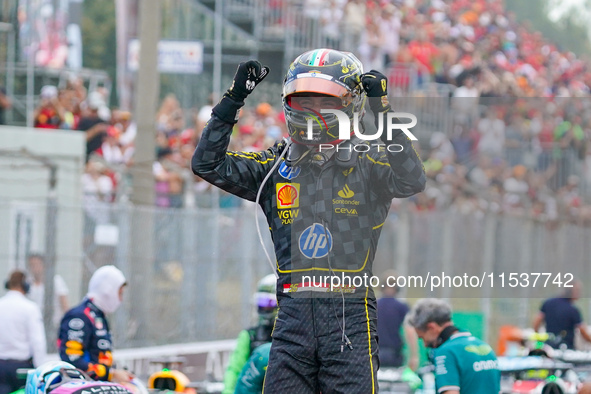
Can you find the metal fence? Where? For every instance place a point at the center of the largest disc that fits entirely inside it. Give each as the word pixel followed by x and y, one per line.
pixel 192 286
pixel 192 272
pixel 197 281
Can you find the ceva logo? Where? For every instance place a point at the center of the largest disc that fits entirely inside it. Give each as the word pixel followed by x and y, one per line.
pixel 346 192
pixel 315 241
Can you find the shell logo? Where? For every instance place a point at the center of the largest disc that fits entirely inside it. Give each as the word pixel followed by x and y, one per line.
pixel 288 195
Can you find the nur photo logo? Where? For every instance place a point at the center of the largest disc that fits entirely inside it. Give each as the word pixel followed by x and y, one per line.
pixel 391 119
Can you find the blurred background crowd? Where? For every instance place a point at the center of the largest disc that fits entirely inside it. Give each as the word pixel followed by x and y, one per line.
pixel 517 143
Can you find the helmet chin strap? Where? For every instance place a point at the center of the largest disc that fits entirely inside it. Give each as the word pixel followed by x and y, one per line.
pixel 296 154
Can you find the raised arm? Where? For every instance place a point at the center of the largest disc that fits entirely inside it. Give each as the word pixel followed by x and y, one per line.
pixel 397 172
pixel 239 173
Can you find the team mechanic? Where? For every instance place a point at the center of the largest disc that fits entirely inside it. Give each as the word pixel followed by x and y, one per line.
pixel 463 363
pixel 84 338
pixel 325 209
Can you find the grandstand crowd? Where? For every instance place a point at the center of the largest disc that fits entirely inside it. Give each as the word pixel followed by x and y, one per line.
pixel 518 141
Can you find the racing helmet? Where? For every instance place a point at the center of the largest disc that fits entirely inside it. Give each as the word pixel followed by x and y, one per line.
pixel 266 299
pixel 325 73
pixel 51 375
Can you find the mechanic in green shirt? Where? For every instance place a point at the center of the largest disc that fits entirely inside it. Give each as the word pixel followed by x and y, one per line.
pixel 463 363
pixel 252 377
pixel 250 339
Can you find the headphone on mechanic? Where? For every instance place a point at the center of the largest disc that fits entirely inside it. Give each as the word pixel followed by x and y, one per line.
pixel 18 278
pixel 445 334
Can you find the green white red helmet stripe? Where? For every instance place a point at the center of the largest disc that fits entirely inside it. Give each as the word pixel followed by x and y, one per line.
pixel 317 57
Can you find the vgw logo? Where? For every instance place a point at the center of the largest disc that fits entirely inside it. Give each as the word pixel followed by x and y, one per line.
pixel 345 128
pixel 314 242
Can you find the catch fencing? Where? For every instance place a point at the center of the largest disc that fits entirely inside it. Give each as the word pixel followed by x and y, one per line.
pixel 199 281
pixel 192 272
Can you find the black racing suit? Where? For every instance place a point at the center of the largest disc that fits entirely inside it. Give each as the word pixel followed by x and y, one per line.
pixel 84 340
pixel 323 220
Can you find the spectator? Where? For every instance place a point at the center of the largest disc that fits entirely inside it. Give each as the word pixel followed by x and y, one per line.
pixel 94 126
pixel 465 101
pixel 423 51
pixel 37 291
pixel 492 134
pixel 169 106
pixel 49 114
pixel 390 25
pixel 69 103
pixel 98 189
pixel 190 136
pixel 330 19
pixel 455 353
pixel 5 103
pixel 515 140
pixel 22 336
pixel 391 314
pixel 516 188
pixel 127 128
pixel 111 150
pixel 101 95
pixel 174 128
pixel 441 148
pixel 372 47
pixel 313 9
pixel 480 175
pixel 562 318
pixel 425 202
pixel 76 85
pixel 569 200
pixel 169 180
pixel 355 21
pixel 463 141
pixel 96 185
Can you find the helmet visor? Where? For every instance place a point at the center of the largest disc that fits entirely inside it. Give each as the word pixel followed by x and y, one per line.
pixel 315 85
pixel 265 300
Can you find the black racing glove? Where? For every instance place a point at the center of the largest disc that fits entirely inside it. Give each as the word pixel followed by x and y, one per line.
pixel 375 85
pixel 248 75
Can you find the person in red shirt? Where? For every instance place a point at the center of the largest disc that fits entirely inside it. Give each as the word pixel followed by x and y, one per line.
pixel 423 51
pixel 50 113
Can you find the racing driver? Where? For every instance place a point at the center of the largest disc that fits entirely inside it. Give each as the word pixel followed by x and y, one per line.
pixel 325 199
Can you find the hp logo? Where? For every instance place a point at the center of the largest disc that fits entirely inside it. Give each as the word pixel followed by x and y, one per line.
pixel 314 242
